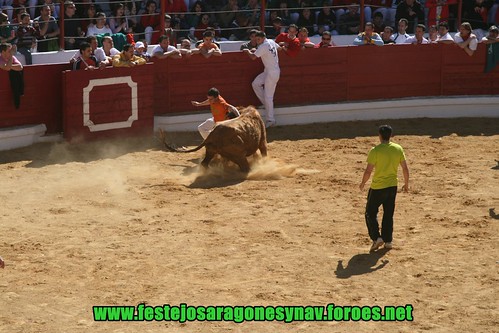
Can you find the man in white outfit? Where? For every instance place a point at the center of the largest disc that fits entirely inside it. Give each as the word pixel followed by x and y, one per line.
pixel 264 84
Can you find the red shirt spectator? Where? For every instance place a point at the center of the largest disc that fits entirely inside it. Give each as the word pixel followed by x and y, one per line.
pixel 289 42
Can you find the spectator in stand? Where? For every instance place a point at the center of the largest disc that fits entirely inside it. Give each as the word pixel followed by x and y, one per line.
pixel 304 40
pixel 141 51
pixel 16 20
pixel 349 3
pixel 438 10
pixel 326 20
pixel 326 40
pixel 475 12
pixel 208 48
pixel 289 42
pixel 175 7
pixel 276 29
pixel 86 60
pixel 349 23
pixel 118 23
pixel 285 14
pixel 387 34
pixel 7 31
pixel 8 62
pixel 106 53
pixel 72 27
pixel 89 18
pixel 170 25
pixel 104 6
pixel 100 26
pixel 49 31
pixel 54 8
pixel 253 8
pixel 492 37
pixel 251 44
pixel 186 48
pixel 92 40
pixel 378 24
pixel 465 39
pixel 240 27
pixel 6 5
pixel 418 36
pixel 165 50
pixel 226 16
pixel 26 37
pixel 387 8
pixel 197 11
pixel 127 58
pixel 443 34
pixel 412 11
pixel 151 22
pixel 214 32
pixel 401 35
pixel 433 34
pixel 201 27
pixel 368 37
pixel 308 21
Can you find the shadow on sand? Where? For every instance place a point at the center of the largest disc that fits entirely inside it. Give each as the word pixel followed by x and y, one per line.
pixel 359 264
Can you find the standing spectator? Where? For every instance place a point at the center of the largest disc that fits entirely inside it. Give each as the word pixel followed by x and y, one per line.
pixel 326 40
pixel 49 30
pixel 7 31
pixel 418 37
pixel 412 11
pixel 492 37
pixel 9 63
pixel 220 110
pixel 289 42
pixel 465 39
pixel 384 159
pixel 349 23
pixel 86 61
pixel 100 26
pixel 443 34
pixel 378 24
pixel 368 37
pixel 226 16
pixel 387 35
pixel 251 44
pixel 165 50
pixel 303 38
pixel 475 12
pixel 26 37
pixel 72 27
pixel 127 58
pixel 118 23
pixel 106 53
pixel 150 21
pixel 433 34
pixel 208 48
pixel 265 83
pixel 307 20
pixel 401 35
pixel 438 10
pixel 326 20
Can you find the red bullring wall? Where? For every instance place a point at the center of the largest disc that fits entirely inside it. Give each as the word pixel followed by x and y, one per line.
pixel 338 74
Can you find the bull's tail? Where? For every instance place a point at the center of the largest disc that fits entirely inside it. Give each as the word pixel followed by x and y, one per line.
pixel 173 148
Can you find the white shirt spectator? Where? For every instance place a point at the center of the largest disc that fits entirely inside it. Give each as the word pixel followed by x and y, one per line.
pixel 159 49
pixel 100 55
pixel 399 38
pixel 93 30
pixel 473 42
pixel 413 40
pixel 445 37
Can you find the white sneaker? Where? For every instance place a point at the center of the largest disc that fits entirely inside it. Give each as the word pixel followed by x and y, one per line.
pixel 376 244
pixel 388 245
pixel 269 123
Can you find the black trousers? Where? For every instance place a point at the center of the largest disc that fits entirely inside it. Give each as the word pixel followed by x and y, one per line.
pixel 376 198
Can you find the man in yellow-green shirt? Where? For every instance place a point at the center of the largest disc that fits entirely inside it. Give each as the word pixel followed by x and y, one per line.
pixel 384 159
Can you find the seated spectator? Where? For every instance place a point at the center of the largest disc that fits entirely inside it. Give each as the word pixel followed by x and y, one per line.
pixel 165 50
pixel 378 24
pixel 492 36
pixel 227 16
pixel 8 61
pixel 387 35
pixel 7 31
pixel 308 21
pixel 26 37
pixel 326 20
pixel 349 23
pixel 401 35
pixel 197 11
pixel 207 48
pixel 412 11
pixel 118 23
pixel 100 26
pixel 251 44
pixel 127 58
pixel 465 39
pixel 387 8
pixel 349 3
pixel 326 40
pixel 418 37
pixel 17 14
pixel 368 37
pixel 284 13
pixel 171 28
pixel 106 53
pixel 240 27
pixel 276 26
pixel 72 27
pixel 443 34
pixel 89 18
pixel 54 8
pixel 92 40
pixel 253 8
pixel 86 60
pixel 433 34
pixel 49 31
pixel 201 27
pixel 303 38
pixel 475 12
pixel 289 42
pixel 151 22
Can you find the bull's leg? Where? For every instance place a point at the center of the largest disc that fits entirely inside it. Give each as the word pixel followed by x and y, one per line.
pixel 207 158
pixel 263 148
pixel 242 162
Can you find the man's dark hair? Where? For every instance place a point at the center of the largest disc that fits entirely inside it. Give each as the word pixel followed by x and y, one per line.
pixel 444 24
pixel 162 38
pixel 405 21
pixel 380 14
pixel 385 131
pixel 213 92
pixel 208 33
pixel 4 47
pixel 292 25
pixel 127 47
pixel 23 15
pixel 369 24
pixel 89 39
pixel 261 34
pixel 253 31
pixel 84 46
pixel 422 26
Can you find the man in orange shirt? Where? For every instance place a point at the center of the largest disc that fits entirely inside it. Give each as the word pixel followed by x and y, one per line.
pixel 220 109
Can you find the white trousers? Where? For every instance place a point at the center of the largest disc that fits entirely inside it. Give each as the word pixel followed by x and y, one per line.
pixel 264 86
pixel 206 127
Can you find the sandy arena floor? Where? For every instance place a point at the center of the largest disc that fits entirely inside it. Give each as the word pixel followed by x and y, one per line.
pixel 122 223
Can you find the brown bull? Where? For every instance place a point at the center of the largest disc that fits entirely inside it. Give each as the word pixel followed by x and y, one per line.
pixel 233 139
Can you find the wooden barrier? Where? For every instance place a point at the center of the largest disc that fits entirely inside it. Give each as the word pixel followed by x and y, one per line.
pixel 315 76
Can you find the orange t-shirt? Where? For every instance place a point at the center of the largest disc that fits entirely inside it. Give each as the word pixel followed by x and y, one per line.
pixel 219 109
